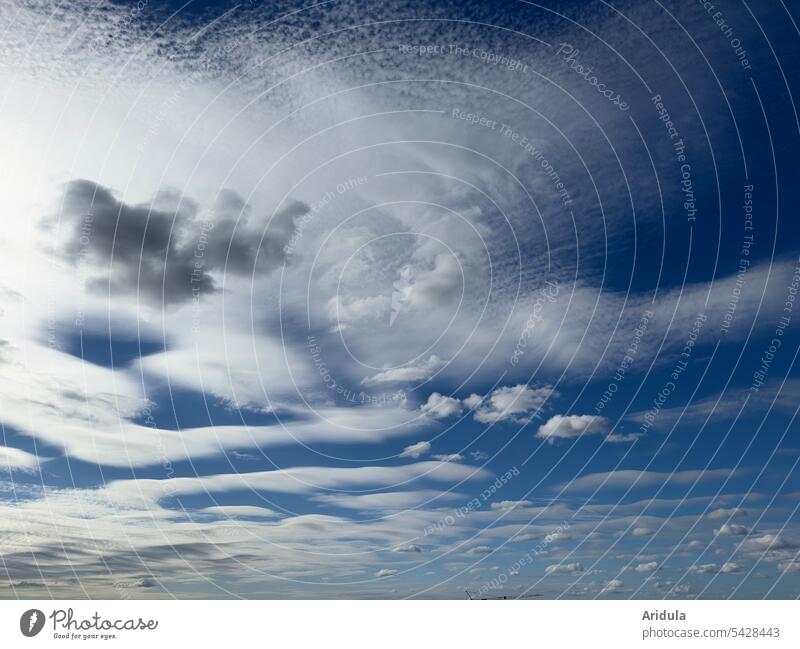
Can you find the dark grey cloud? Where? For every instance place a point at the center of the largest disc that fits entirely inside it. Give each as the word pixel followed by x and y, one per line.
pixel 92 565
pixel 164 251
pixel 239 247
pixel 24 584
pixel 144 582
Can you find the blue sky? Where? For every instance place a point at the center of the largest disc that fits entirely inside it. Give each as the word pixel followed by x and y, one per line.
pixel 408 300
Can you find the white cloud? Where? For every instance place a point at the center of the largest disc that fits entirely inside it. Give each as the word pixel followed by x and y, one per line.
pixel 386 572
pixel 729 529
pixel 650 566
pixel 769 542
pixel 620 438
pixel 14 459
pixel 296 480
pixel 507 505
pixel 641 479
pixel 440 282
pixel 704 568
pixel 729 566
pixel 389 501
pixel 713 568
pixel 775 395
pixel 518 403
pixel 235 366
pixel 95 422
pixel 408 548
pixel 564 568
pixel 642 531
pixel 792 566
pixel 726 513
pixel 125 525
pixel 481 549
pixel 345 310
pixel 450 457
pixel 571 426
pixel 439 406
pixel 416 450
pixel 419 372
pixel 234 511
pixel 612 586
pixel 473 401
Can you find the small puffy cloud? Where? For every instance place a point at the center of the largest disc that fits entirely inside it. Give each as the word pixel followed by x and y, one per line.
pixel 473 401
pixel 518 403
pixel 449 457
pixel 642 531
pixel 650 566
pixel 619 438
pixel 726 513
pixel 415 450
pixel 571 426
pixel 704 568
pixel 712 568
pixel 385 572
pixel 555 537
pixel 565 568
pixel 729 529
pixel 506 505
pixel 730 567
pixel 409 548
pixel 479 456
pixel 612 586
pixel 481 549
pixel 791 566
pixel 439 406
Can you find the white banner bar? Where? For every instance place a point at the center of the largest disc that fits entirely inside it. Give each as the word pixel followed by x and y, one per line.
pixel 404 624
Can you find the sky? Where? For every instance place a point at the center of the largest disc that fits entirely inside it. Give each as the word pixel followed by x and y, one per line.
pixel 399 300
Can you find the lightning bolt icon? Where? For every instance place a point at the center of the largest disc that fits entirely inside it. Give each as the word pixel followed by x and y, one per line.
pixel 32 620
